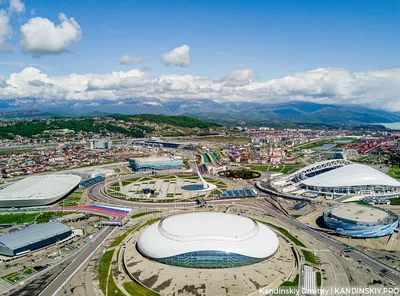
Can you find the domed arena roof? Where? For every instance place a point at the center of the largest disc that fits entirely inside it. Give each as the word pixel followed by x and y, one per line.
pixel 206 231
pixel 351 175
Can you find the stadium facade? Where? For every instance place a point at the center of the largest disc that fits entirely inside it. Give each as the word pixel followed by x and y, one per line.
pixel 360 221
pixel 207 240
pixel 155 164
pixel 337 178
pixel 352 179
pixel 32 238
pixel 38 190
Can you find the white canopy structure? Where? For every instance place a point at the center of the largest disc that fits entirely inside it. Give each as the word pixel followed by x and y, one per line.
pixel 208 240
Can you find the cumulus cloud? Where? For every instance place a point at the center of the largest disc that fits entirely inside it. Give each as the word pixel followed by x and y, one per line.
pixel 126 59
pixel 376 88
pixel 16 6
pixel 238 78
pixel 179 56
pixel 40 36
pixel 5 32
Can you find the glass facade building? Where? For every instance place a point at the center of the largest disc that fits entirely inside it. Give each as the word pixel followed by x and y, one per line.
pixel 155 165
pixel 209 259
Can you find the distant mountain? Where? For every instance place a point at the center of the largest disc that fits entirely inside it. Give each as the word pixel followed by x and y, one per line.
pixel 21 114
pixel 223 112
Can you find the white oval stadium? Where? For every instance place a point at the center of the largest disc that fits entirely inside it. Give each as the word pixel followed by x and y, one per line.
pixel 207 240
pixel 352 179
pixel 38 190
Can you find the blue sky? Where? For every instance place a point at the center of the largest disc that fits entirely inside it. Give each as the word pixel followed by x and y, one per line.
pixel 272 38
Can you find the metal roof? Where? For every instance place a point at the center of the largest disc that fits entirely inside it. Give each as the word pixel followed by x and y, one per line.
pixel 40 187
pixel 359 213
pixel 207 231
pixel 33 234
pixel 351 175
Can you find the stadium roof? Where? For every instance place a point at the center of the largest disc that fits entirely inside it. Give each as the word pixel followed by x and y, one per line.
pixel 207 231
pixel 359 213
pixel 30 235
pixel 351 175
pixel 40 187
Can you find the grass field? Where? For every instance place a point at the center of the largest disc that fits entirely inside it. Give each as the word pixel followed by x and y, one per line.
pixel 285 233
pixel 284 288
pixel 119 239
pixel 28 271
pixel 17 218
pixel 394 172
pixel 395 201
pixel 13 277
pixel 135 289
pixel 72 199
pixel 279 169
pixel 103 269
pixel 309 256
pixel 45 217
pixel 319 280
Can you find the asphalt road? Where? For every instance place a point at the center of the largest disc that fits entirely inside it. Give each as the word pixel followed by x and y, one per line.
pixel 76 263
pixel 96 194
pixel 336 246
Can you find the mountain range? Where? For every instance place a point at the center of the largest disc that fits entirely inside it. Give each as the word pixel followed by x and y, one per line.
pixel 250 112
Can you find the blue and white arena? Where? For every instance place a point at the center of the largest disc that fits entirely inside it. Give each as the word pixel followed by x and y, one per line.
pixel 360 221
pixel 208 240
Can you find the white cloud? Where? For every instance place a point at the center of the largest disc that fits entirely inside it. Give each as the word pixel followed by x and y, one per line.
pixel 41 36
pixel 5 32
pixel 238 78
pixel 16 6
pixel 126 59
pixel 179 56
pixel 376 88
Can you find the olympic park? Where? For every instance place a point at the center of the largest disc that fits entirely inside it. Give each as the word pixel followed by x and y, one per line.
pixel 182 249
pixel 356 189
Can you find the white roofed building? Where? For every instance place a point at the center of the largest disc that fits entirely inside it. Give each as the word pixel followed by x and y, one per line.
pixel 38 190
pixel 208 240
pixel 351 179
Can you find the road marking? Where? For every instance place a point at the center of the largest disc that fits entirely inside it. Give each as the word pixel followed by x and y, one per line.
pixel 78 268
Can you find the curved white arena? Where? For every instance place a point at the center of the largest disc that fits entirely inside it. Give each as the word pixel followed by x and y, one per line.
pixel 38 190
pixel 352 179
pixel 208 240
pixel 352 175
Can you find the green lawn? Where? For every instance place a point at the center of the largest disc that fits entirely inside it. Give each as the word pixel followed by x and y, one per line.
pixel 113 289
pixel 394 172
pixel 309 256
pixel 17 218
pixel 319 280
pixel 72 199
pixel 103 269
pixel 12 277
pixel 45 217
pixel 285 233
pixel 119 239
pixel 279 169
pixel 135 289
pixel 394 201
pixel 287 285
pixel 28 270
